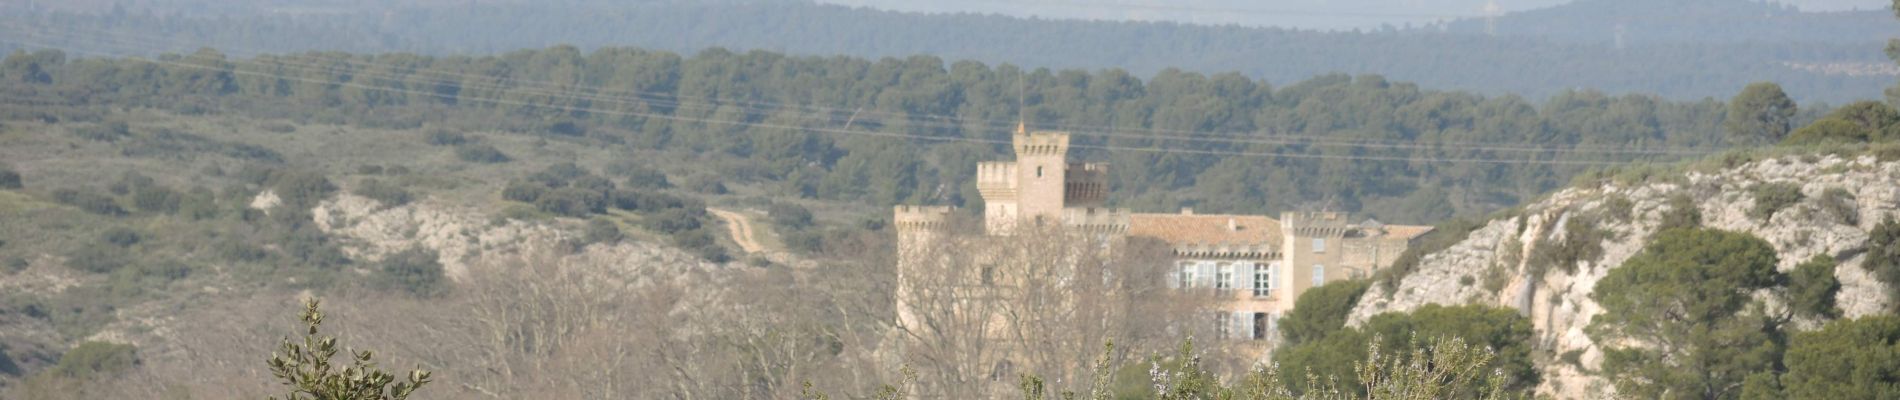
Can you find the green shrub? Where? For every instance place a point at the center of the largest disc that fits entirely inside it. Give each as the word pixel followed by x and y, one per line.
pixel 1682 213
pixel 106 132
pixel 673 221
pixel 10 180
pixel 1619 208
pixel 707 184
pixel 278 127
pixel 234 250
pixel 300 189
pixel 14 265
pixel 1771 198
pixel 523 191
pixel 1812 286
pixel 129 182
pixel 120 236
pixel 444 137
pixel 387 194
pixel 790 216
pixel 645 178
pixel 572 202
pixel 98 259
pixel 804 241
pixel 1842 205
pixel 94 359
pixel 702 243
pixel 1583 242
pixel 600 230
pixel 304 366
pixel 415 271
pixel 89 201
pixel 480 153
pixel 157 199
pixel 1828 131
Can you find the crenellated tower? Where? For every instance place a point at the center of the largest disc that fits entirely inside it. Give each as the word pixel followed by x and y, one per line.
pixel 1039 184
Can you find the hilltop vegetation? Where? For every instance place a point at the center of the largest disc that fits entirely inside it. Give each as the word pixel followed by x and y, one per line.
pixel 1577 52
pixel 821 128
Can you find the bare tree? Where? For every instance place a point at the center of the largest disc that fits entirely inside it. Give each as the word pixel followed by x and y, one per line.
pixel 976 311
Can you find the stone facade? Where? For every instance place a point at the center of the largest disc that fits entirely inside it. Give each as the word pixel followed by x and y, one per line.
pixel 1256 265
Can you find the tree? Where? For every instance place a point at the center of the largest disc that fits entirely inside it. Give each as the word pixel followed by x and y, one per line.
pixel 1846 359
pixel 1321 311
pixel 1883 258
pixel 1505 334
pixel 1811 288
pixel 969 316
pixel 1679 317
pixel 1760 114
pixel 305 368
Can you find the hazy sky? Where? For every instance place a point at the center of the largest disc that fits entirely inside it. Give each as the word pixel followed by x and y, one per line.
pixel 1314 14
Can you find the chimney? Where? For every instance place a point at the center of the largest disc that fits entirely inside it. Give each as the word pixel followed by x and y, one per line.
pixel 1232 225
pixel 1187 210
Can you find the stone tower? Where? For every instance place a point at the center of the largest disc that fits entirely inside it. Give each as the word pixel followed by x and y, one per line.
pixel 1039 184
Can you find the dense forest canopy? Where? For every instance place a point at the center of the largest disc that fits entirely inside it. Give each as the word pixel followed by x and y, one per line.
pixel 1526 63
pixel 909 131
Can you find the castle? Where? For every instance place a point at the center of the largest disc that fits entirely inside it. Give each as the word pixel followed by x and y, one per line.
pixel 1255 265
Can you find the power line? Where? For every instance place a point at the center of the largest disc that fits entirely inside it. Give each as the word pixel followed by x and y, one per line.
pixel 1275 12
pixel 871 133
pixel 567 91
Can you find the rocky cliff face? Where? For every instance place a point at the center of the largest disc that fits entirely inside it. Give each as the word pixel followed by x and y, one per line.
pixel 463 238
pixel 1495 264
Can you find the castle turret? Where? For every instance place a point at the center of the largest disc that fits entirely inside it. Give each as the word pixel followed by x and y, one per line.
pixel 1041 174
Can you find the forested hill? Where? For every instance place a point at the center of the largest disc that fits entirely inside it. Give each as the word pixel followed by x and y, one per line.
pixel 910 131
pixel 1643 22
pixel 1527 66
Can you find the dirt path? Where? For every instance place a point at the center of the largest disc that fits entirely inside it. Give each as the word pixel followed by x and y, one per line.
pixel 740 228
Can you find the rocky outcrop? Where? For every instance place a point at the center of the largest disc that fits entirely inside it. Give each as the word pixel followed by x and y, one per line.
pixel 465 237
pixel 1494 264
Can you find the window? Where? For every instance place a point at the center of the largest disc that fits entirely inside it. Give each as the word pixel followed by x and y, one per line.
pixel 1224 277
pixel 1260 326
pixel 1319 245
pixel 1185 279
pixel 1243 325
pixel 1319 275
pixel 1221 325
pixel 989 275
pixel 1262 280
pixel 1038 171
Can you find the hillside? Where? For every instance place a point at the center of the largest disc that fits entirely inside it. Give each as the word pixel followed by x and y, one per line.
pixel 1639 23
pixel 1842 197
pixel 1529 65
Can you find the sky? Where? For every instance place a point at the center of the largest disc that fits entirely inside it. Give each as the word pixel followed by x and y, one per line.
pixel 1306 14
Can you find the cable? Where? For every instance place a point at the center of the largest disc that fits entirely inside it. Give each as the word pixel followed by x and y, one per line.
pixel 868 133
pixel 941 121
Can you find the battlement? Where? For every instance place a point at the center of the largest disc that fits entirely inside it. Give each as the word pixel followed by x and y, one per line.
pixel 1095 219
pixel 996 179
pixel 1315 224
pixel 920 217
pixel 1041 143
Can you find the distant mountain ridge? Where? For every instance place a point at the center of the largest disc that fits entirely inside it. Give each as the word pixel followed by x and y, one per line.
pixel 1533 67
pixel 1639 22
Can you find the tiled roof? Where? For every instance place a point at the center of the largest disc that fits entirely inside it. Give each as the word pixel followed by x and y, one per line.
pixel 1187 229
pixel 1406 232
